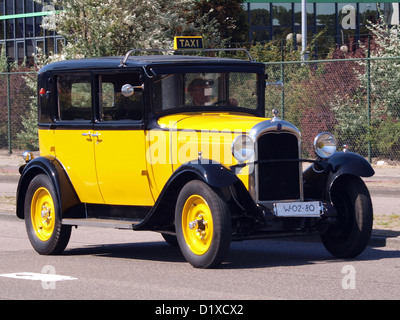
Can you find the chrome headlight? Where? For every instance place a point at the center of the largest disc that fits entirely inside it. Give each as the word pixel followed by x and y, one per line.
pixel 243 148
pixel 324 145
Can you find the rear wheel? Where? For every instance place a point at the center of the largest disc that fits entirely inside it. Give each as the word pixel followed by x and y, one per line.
pixel 43 225
pixel 203 225
pixel 349 236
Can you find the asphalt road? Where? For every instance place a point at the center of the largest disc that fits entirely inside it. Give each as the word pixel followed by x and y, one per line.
pixel 112 264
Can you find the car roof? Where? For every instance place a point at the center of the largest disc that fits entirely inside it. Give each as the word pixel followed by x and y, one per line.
pixel 142 61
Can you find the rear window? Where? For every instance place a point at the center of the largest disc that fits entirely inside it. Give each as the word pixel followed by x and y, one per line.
pixel 74 97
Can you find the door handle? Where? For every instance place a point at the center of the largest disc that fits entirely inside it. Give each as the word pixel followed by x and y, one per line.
pixel 89 134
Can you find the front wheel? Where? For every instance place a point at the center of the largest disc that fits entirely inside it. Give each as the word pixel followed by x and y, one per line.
pixel 43 225
pixel 349 236
pixel 203 225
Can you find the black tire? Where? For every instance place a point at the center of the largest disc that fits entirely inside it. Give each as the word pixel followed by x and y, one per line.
pixel 170 239
pixel 206 244
pixel 349 236
pixel 43 225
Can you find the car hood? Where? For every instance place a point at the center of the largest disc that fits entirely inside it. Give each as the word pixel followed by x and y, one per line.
pixel 227 122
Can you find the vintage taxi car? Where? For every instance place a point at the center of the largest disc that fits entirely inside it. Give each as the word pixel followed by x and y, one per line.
pixel 180 145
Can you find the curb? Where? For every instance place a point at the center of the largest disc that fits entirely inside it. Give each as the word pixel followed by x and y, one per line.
pixel 379 238
pixel 385 238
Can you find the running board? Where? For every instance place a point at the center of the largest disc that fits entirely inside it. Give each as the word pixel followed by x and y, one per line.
pixel 101 223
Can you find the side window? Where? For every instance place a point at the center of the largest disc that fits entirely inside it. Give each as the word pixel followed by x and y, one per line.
pixel 74 97
pixel 169 92
pixel 115 106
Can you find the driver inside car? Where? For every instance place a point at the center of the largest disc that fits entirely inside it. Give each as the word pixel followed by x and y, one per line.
pixel 200 92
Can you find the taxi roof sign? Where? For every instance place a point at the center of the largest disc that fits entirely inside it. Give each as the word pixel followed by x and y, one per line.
pixel 183 42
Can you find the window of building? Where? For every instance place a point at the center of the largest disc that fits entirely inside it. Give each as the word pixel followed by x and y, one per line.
pixel 325 20
pixel 50 45
pixel 19 28
pixel 39 48
pixel 260 34
pixel 260 21
pixel 9 7
pixel 282 14
pixel 260 14
pixel 368 12
pixel 325 14
pixel 38 29
pixel 1 29
pixel 29 51
pixel 10 29
pixel 282 20
pixel 29 6
pixel 38 7
pixel 19 7
pixel 10 49
pixel 29 27
pixel 310 17
pixel 20 51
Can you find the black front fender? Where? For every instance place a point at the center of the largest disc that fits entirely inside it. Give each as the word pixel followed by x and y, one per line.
pixel 50 166
pixel 220 178
pixel 319 178
pixel 214 174
pixel 350 163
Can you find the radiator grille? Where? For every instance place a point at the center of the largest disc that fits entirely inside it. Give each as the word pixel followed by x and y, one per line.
pixel 278 180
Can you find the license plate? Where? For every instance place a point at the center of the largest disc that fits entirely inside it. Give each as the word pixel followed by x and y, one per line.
pixel 298 209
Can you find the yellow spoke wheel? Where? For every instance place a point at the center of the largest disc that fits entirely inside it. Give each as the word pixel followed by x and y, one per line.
pixel 42 214
pixel 203 225
pixel 45 230
pixel 197 224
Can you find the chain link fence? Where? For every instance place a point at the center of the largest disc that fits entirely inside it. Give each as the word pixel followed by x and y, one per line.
pixel 358 100
pixel 17 94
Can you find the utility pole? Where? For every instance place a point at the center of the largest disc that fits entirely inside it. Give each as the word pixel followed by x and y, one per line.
pixel 304 54
pixel 9 106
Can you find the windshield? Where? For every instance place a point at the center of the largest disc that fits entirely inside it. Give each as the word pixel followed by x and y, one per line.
pixel 205 91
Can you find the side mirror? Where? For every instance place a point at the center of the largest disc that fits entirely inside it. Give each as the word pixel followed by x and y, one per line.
pixel 127 89
pixel 278 85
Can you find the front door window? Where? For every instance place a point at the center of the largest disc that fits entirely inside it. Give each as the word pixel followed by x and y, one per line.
pixel 120 141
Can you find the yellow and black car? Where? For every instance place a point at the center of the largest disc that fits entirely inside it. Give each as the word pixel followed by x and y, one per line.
pixel 180 145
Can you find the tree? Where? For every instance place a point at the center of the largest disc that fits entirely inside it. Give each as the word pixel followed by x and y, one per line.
pixel 112 27
pixel 3 59
pixel 231 16
pixel 385 88
pixel 385 84
pixel 369 114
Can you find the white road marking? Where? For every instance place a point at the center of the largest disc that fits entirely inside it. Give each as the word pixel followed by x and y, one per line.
pixel 37 276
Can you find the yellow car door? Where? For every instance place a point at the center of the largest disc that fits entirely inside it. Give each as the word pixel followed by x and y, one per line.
pixel 120 140
pixel 72 141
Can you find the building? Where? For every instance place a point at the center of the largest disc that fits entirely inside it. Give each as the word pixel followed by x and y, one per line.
pixel 21 32
pixel 341 20
pixel 20 29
